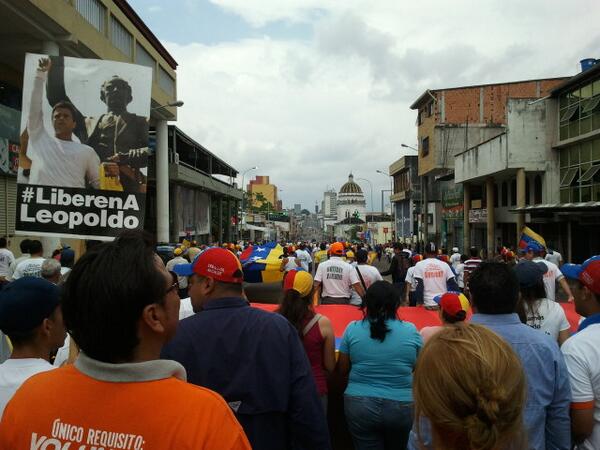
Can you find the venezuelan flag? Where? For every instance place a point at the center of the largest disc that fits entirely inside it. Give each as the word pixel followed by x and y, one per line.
pixel 528 236
pixel 261 263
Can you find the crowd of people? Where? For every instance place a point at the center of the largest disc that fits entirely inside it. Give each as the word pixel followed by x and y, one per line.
pixel 132 351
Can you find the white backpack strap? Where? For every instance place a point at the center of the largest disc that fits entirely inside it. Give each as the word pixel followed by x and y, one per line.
pixel 311 324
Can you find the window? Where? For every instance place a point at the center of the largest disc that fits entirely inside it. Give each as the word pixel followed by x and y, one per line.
pixel 527 191
pixel 589 174
pixel 568 177
pixel 166 82
pixel 425 146
pixel 143 58
pixel 120 37
pixel 94 12
pixel 504 193
pixel 537 190
pixel 579 111
pixel 513 192
pixel 495 195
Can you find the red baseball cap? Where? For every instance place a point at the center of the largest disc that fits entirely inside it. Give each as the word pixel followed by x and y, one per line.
pixel 453 302
pixel 215 262
pixel 588 273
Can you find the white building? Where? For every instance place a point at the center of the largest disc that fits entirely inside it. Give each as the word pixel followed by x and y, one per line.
pixel 351 201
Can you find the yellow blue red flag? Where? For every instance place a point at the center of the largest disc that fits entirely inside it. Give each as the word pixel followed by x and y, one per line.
pixel 531 239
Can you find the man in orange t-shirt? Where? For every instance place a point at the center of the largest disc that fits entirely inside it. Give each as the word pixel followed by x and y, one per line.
pixel 120 305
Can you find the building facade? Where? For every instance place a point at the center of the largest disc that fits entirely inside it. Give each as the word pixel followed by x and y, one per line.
pixel 262 191
pixel 406 198
pixel 451 121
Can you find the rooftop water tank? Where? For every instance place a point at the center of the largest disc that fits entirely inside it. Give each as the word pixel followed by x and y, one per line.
pixel 587 63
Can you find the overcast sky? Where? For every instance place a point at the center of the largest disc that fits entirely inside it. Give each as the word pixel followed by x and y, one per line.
pixel 310 90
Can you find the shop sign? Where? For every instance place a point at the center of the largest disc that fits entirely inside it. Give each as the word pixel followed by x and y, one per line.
pixel 478 216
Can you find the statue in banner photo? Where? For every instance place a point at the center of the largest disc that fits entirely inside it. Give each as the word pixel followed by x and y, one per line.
pixel 119 137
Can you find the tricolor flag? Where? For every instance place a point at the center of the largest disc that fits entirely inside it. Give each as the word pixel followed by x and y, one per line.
pixel 530 237
pixel 261 263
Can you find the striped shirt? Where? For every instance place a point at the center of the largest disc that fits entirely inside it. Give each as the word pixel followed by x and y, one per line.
pixel 471 264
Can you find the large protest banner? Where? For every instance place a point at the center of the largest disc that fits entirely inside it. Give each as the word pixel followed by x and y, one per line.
pixel 83 161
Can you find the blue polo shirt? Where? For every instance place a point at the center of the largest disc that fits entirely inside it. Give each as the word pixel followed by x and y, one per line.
pixel 256 361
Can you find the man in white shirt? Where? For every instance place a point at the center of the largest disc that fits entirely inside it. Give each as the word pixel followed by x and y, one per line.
pixel 367 275
pixel 57 160
pixel 304 257
pixel 30 316
pixel 32 266
pixel 335 278
pixel 24 246
pixel 455 258
pixel 433 277
pixel 533 252
pixel 582 354
pixel 6 259
pixel 554 257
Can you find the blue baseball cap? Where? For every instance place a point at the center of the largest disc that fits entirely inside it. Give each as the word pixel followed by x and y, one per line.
pixel 529 273
pixel 587 273
pixel 26 302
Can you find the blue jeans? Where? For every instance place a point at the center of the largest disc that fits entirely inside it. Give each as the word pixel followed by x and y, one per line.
pixel 378 423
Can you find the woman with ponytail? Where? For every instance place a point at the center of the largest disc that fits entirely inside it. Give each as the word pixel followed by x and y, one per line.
pixel 315 330
pixel 379 353
pixel 470 385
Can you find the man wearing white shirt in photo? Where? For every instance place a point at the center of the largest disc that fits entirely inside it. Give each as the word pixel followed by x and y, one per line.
pixel 582 354
pixel 554 257
pixel 533 252
pixel 335 278
pixel 31 317
pixel 433 277
pixel 57 160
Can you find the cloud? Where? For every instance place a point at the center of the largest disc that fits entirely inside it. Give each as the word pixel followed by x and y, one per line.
pixel 310 111
pixel 154 8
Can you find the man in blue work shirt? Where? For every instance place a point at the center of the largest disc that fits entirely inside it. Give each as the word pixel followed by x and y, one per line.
pixel 253 358
pixel 494 294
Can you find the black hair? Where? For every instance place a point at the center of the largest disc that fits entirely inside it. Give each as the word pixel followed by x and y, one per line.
pixel 459 317
pixel 3 242
pixel 20 338
pixel 35 247
pixel 473 252
pixel 323 246
pixel 25 245
pixel 66 105
pixel 381 302
pixel 233 288
pixel 463 258
pixel 362 256
pixel 106 292
pixel 494 288
pixel 295 308
pixel 530 296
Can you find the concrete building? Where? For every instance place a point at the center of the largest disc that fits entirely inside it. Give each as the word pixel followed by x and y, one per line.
pixel 451 121
pixel 262 187
pixel 297 209
pixel 185 195
pixel 514 169
pixel 406 198
pixel 329 206
pixel 204 201
pixel 569 216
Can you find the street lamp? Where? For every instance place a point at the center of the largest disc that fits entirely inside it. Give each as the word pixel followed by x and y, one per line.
pixel 244 194
pixel 423 205
pixel 408 146
pixel 371 188
pixel 391 193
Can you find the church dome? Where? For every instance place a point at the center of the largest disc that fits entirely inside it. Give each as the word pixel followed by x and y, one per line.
pixel 351 187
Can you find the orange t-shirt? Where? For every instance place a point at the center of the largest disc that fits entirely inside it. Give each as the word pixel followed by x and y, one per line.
pixel 65 406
